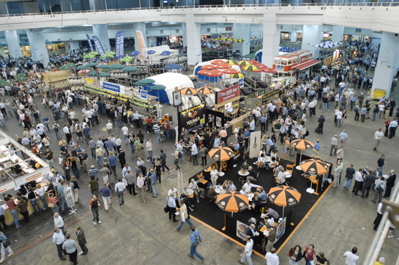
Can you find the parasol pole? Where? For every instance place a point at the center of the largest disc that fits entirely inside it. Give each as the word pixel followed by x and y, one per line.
pixel 283 211
pixel 224 227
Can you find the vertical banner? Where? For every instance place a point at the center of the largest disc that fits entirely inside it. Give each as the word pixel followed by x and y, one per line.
pixel 254 144
pixel 141 41
pixel 89 40
pixel 99 47
pixel 119 44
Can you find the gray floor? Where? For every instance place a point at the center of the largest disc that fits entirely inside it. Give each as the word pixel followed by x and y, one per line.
pixel 142 234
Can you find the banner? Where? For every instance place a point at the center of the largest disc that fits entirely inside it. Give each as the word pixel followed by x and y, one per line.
pixel 119 44
pixel 192 117
pixel 228 93
pixel 241 230
pixel 89 41
pixel 99 47
pixel 254 144
pixel 141 41
pixel 113 87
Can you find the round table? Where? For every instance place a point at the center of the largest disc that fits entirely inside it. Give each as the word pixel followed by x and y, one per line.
pixel 243 174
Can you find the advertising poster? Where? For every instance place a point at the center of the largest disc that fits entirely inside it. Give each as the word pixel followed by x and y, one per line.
pixel 143 48
pixel 119 44
pixel 280 229
pixel 99 47
pixel 192 117
pixel 90 44
pixel 254 144
pixel 241 230
pixel 227 94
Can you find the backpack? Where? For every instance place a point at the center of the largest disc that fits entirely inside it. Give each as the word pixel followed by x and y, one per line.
pixel 180 154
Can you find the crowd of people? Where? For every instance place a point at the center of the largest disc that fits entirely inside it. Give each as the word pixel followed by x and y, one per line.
pixel 71 118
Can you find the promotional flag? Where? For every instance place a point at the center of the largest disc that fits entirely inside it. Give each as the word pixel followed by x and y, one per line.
pixel 99 47
pixel 119 44
pixel 89 40
pixel 142 46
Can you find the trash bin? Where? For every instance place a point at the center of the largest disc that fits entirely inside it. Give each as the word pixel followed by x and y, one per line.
pixel 379 93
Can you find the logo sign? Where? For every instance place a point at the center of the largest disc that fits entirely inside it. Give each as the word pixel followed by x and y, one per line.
pixel 241 82
pixel 192 117
pixel 90 44
pixel 142 46
pixel 112 87
pixel 228 93
pixel 119 44
pixel 143 94
pixel 99 47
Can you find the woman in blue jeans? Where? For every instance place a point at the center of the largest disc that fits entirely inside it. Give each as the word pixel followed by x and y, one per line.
pixel 185 218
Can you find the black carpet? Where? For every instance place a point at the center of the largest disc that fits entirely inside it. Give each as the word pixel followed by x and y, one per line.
pixel 211 214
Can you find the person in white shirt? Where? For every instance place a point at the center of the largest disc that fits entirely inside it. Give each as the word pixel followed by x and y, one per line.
pixel 248 186
pixel 378 137
pixel 108 126
pixel 247 251
pixel 351 256
pixel 119 189
pixel 125 131
pixel 59 222
pixel 338 115
pixel 272 258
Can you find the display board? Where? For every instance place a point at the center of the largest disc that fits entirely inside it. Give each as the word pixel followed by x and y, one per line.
pixel 228 93
pixel 192 117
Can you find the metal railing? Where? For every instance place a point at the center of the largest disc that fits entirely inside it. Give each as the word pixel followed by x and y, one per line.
pixel 227 6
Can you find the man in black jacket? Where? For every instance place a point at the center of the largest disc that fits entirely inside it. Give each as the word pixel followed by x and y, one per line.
pixel 390 183
pixel 368 182
pixel 321 121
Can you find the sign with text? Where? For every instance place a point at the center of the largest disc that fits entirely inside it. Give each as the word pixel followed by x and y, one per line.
pixel 228 93
pixel 113 87
pixel 119 44
pixel 192 117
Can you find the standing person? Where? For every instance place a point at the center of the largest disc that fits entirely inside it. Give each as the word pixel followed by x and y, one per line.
pixel 141 187
pixel 247 251
pixel 94 205
pixel 148 146
pixel 272 258
pixel 393 125
pixel 390 183
pixel 153 180
pixel 309 254
pixel 13 209
pixel 22 207
pixel 295 255
pixel 380 163
pixel 75 187
pixel 367 183
pixel 80 235
pixel 176 154
pixel 195 239
pixel 59 239
pixel 358 181
pixel 105 192
pixel 162 157
pixel 339 167
pixel 334 145
pixel 119 189
pixel 194 154
pixel 59 222
pixel 351 256
pixel 172 207
pixel 379 189
pixel 350 171
pixel 70 247
pixel 2 220
pixel 93 185
pixel 378 137
pixel 5 245
pixel 378 218
pixel 203 152
pixel 131 182
pixel 183 215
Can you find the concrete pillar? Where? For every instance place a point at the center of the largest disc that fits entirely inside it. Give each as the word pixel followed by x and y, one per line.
pixel 184 34
pixel 193 33
pixel 13 43
pixel 337 33
pixel 242 31
pixel 97 4
pixel 312 34
pixel 293 36
pixel 139 26
pixel 101 31
pixel 386 65
pixel 271 39
pixel 38 46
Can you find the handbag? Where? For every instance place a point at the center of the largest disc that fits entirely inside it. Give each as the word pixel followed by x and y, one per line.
pixel 51 205
pixel 6 244
pixel 166 209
